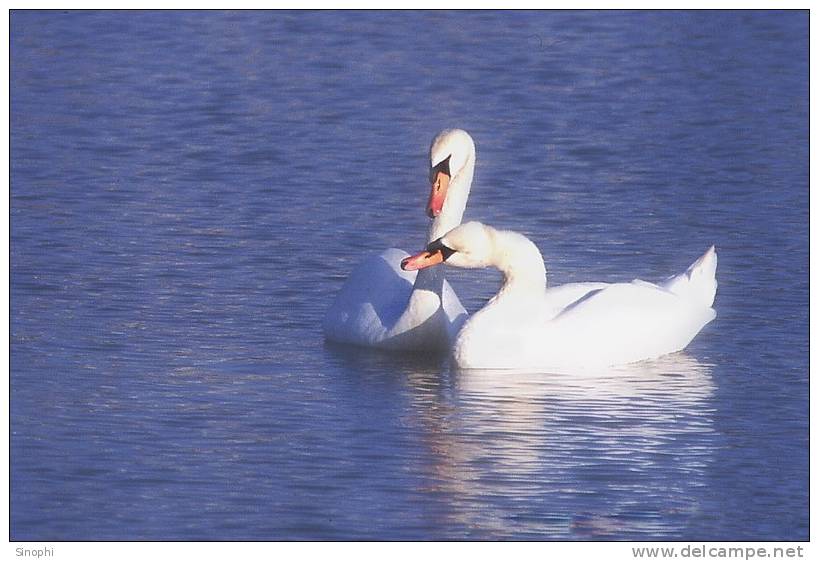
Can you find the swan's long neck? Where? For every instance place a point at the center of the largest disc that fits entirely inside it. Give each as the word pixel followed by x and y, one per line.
pixel 520 262
pixel 456 198
pixel 432 278
pixel 425 299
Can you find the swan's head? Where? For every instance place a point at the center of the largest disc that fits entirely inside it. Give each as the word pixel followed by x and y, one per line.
pixel 452 152
pixel 470 246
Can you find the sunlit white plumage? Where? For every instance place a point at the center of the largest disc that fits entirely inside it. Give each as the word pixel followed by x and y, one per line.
pixel 526 325
pixel 381 305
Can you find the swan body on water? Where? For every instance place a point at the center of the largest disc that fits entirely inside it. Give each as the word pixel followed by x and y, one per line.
pixel 527 325
pixel 383 306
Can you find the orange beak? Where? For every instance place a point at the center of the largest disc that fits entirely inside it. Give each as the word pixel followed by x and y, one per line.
pixel 422 260
pixel 437 196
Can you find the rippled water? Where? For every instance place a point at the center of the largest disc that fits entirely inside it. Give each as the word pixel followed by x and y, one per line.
pixel 190 189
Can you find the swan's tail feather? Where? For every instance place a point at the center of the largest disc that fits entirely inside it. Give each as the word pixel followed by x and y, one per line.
pixel 698 282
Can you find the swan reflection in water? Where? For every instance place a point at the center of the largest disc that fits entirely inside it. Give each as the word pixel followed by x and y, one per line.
pixel 614 452
pixel 619 453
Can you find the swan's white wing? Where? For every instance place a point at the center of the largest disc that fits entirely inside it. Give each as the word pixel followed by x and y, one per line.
pixel 558 298
pixel 626 322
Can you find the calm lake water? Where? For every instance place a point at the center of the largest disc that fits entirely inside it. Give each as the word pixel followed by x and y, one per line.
pixel 189 190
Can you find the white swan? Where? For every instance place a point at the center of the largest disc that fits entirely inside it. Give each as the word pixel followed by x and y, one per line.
pixel 527 325
pixel 381 305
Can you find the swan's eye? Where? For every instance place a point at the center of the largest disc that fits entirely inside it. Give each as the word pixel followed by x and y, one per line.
pixel 436 246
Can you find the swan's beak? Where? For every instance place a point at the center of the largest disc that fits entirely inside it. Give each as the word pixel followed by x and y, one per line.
pixel 437 196
pixel 422 260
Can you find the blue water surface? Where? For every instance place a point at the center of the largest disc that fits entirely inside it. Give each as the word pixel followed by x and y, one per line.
pixel 189 190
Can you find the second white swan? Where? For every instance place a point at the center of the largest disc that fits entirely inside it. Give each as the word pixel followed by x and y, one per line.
pixel 526 325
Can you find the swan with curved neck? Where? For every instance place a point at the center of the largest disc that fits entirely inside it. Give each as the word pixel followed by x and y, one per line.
pixel 527 325
pixel 383 306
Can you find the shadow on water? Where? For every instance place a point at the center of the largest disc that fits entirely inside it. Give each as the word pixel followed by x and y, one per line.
pixel 363 359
